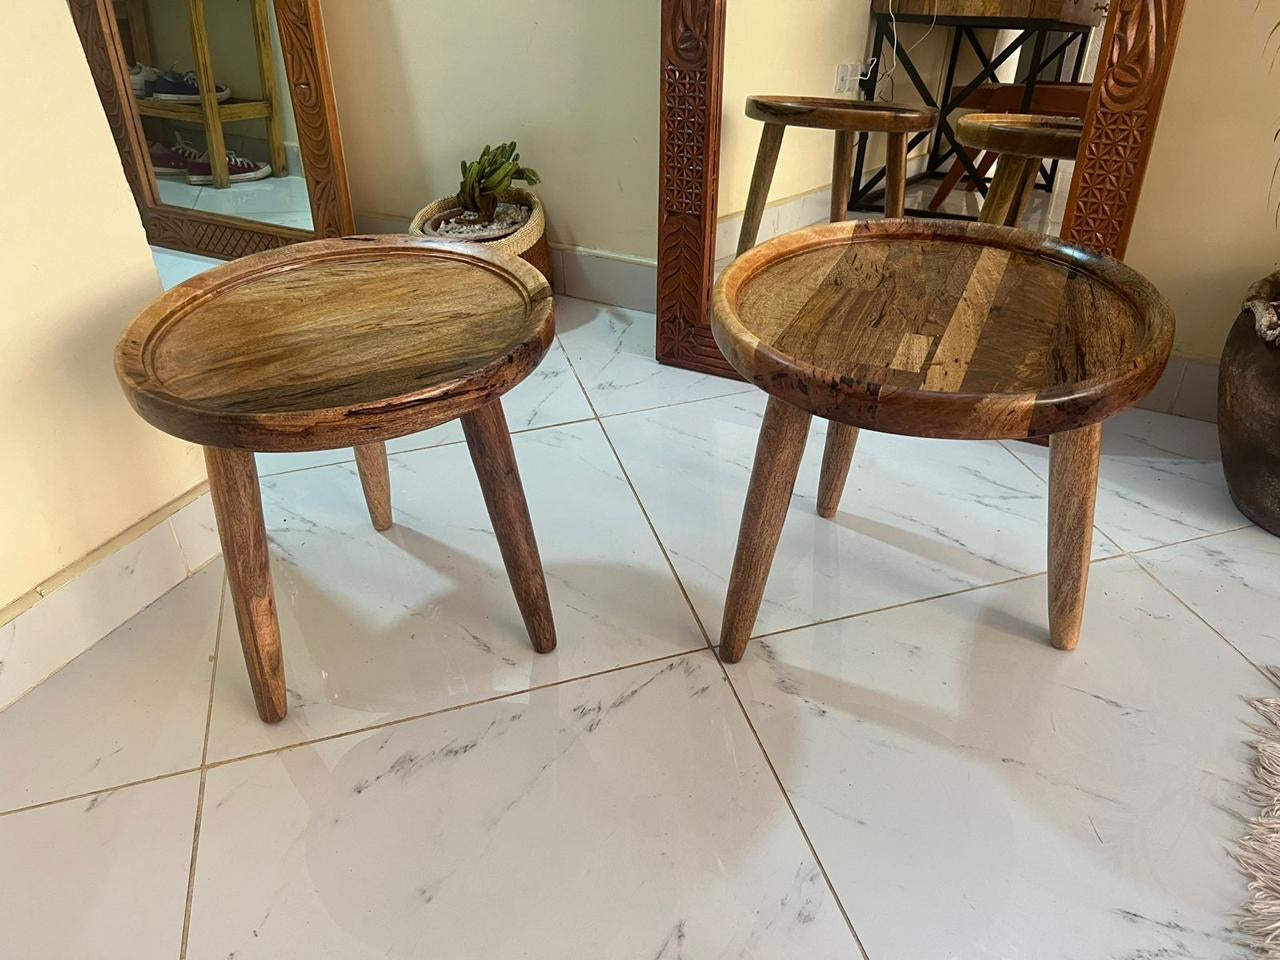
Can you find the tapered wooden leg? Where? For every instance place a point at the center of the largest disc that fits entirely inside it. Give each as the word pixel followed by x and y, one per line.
pixel 773 477
pixel 495 463
pixel 842 174
pixel 1010 191
pixel 1073 487
pixel 761 179
pixel 371 461
pixel 895 175
pixel 237 504
pixel 837 458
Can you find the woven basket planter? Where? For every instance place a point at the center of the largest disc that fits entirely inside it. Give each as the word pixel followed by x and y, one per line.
pixel 529 242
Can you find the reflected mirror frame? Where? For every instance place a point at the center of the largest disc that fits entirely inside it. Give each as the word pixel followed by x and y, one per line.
pixel 306 61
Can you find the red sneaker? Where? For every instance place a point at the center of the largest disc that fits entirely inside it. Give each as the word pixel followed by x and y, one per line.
pixel 166 162
pixel 239 168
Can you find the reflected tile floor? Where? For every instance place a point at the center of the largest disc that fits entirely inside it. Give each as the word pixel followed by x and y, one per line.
pixel 900 767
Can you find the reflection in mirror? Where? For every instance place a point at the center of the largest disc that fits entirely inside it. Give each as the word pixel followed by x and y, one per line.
pixel 233 153
pixel 953 57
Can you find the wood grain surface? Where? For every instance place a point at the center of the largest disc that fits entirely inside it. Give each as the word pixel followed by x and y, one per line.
pixel 1064 11
pixel 1043 137
pixel 942 329
pixel 375 479
pixel 830 113
pixel 1073 488
pixel 335 343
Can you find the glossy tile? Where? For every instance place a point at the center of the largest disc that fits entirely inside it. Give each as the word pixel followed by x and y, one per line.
pixel 612 351
pixel 132 706
pixel 627 815
pixel 1230 580
pixel 103 876
pixel 77 615
pixel 1160 480
pixel 281 200
pixel 974 793
pixel 175 266
pixel 919 517
pixel 197 532
pixel 378 626
pixel 548 396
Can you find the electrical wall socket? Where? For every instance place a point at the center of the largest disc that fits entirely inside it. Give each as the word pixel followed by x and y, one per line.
pixel 847 77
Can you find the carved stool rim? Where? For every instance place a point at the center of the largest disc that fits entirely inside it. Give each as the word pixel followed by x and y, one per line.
pixel 1034 136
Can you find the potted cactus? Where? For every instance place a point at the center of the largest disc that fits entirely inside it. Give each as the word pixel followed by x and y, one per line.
pixel 489 208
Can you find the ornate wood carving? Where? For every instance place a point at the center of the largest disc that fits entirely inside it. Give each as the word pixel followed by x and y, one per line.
pixel 1120 123
pixel 1140 39
pixel 692 67
pixel 307 65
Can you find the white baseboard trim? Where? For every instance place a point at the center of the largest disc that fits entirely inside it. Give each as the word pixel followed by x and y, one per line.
pixel 613 278
pixel 58 623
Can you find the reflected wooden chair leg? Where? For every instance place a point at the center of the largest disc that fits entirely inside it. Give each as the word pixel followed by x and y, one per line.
pixel 773 477
pixel 371 461
pixel 1073 488
pixel 895 175
pixel 837 458
pixel 237 504
pixel 1010 190
pixel 495 463
pixel 761 179
pixel 842 174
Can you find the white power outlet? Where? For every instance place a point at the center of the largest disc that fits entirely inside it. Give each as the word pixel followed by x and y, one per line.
pixel 847 77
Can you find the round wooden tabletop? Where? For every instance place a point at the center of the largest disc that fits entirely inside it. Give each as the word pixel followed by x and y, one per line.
pixel 830 113
pixel 335 342
pixel 1022 134
pixel 942 328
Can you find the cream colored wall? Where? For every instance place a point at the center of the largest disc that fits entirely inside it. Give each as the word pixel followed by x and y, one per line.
pixel 79 465
pixel 1205 227
pixel 421 86
pixel 795 51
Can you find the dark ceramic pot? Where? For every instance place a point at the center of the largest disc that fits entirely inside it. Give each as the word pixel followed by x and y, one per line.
pixel 1249 413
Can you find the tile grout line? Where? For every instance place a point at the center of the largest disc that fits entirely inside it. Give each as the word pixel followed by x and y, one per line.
pixel 1196 613
pixel 204 768
pixel 795 814
pixel 786 798
pixel 99 790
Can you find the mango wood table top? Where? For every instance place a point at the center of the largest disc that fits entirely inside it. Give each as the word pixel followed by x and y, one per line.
pixel 1022 134
pixel 832 113
pixel 335 342
pixel 940 328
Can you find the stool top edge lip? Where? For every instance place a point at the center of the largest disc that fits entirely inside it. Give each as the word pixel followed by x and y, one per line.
pixel 871 115
pixel 737 342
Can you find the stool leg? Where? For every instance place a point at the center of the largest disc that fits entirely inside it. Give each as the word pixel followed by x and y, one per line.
pixel 495 463
pixel 773 477
pixel 237 505
pixel 1073 487
pixel 761 178
pixel 842 174
pixel 1010 190
pixel 895 175
pixel 371 461
pixel 837 458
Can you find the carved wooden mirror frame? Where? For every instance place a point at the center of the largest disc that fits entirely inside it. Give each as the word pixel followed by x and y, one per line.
pixel 306 62
pixel 1128 88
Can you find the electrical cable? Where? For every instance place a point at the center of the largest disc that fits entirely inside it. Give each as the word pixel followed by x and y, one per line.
pixel 893 47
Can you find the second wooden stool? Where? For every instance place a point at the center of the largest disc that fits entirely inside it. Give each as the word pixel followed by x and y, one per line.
pixel 1021 141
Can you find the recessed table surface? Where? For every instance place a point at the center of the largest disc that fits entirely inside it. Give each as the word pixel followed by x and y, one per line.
pixel 941 328
pixel 335 342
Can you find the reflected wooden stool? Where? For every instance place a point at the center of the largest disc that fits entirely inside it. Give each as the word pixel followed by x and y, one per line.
pixel 935 329
pixel 848 118
pixel 339 343
pixel 1021 143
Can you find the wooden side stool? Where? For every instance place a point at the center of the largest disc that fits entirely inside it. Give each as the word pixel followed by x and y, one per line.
pixel 847 118
pixel 339 343
pixel 935 328
pixel 1021 142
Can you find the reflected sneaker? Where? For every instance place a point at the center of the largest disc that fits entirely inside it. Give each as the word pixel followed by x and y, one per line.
pixel 183 88
pixel 167 162
pixel 143 80
pixel 239 169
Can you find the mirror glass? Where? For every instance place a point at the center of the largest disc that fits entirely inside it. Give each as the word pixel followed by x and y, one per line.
pixel 964 56
pixel 238 156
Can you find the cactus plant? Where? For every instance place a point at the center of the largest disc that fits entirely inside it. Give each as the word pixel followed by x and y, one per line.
pixel 486 179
